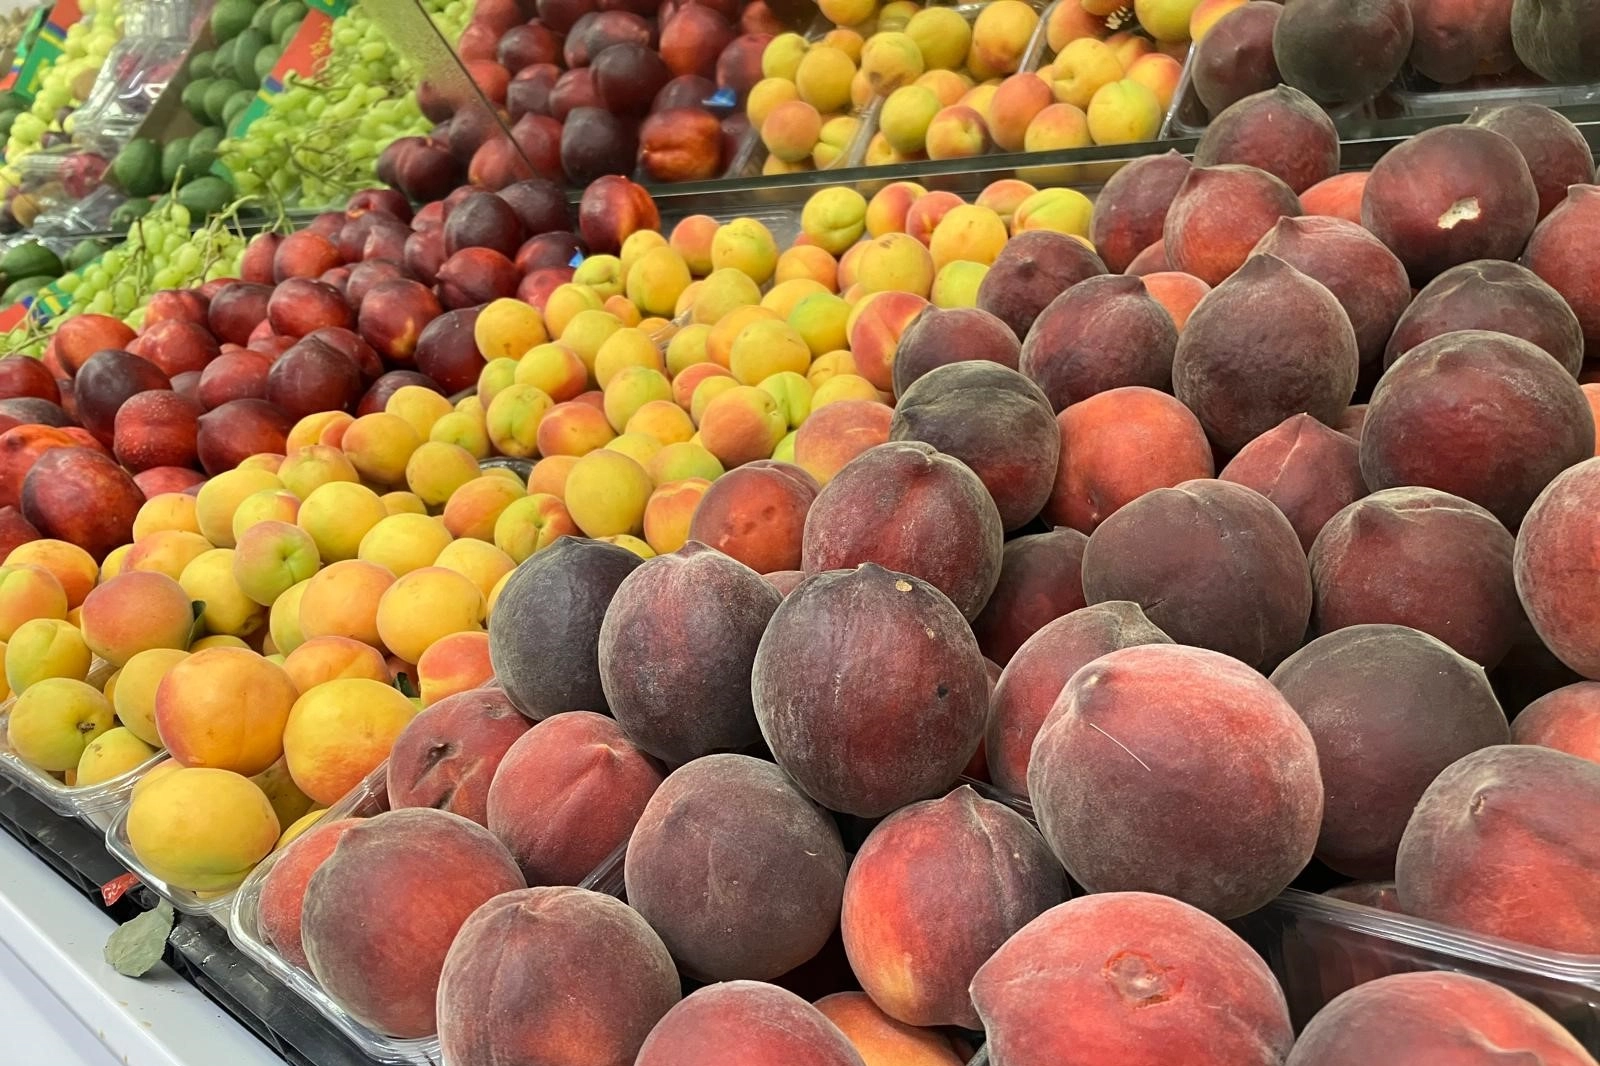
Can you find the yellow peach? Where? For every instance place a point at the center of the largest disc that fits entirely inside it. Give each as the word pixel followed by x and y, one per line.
pixel 1081 69
pixel 337 516
pixel 200 828
pixel 209 579
pixel 958 132
pixel 513 421
pixel 478 561
pixel 135 697
pixel 271 558
pixel 330 658
pixel 340 731
pixel 573 428
pixel 1061 210
pixel 686 459
pixel 283 619
pixel 624 349
pixel 662 421
pixel 822 78
pixel 691 237
pixel 1165 20
pixel 342 601
pixel 906 116
pixel 1000 36
pixel 724 291
pixel 454 664
pixel 166 511
pixel 224 708
pixel 656 281
pixel 764 96
pixel 379 445
pixel 765 348
pixel 834 218
pixel 323 427
pixel 606 494
pixel 956 284
pixel 587 331
pixel 890 60
pixel 404 542
pixel 44 648
pixel 630 389
pixel 831 364
pixel 792 393
pixel 968 232
pixel 688 347
pixel 819 319
pixel 564 304
pixel 1160 74
pixel 531 524
pixel 420 407
pixel 110 755
pixel 425 605
pixel 669 511
pixel 942 36
pixel 897 262
pixel 219 497
pixel 601 274
pixel 475 506
pixel 746 245
pixel 833 143
pixel 1014 104
pixel 791 130
pixel 507 328
pixel 304 470
pixel 495 375
pixel 740 425
pixel 1067 22
pixel 73 567
pixel 554 369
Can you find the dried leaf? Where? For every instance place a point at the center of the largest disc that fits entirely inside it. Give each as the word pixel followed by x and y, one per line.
pixel 133 949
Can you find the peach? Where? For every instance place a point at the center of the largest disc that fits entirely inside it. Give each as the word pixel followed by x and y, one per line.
pixel 1336 197
pixel 1381 30
pixel 1115 956
pixel 1016 101
pixel 454 664
pixel 918 867
pixel 875 333
pixel 827 441
pixel 1566 719
pixel 1040 580
pixel 1448 196
pixel 268 506
pixel 1554 253
pixel 1218 215
pixel 1421 558
pixel 1514 798
pixel 338 515
pixel 669 512
pixel 737 1023
pixel 651 670
pixel 1032 270
pixel 1033 678
pixel 200 828
pixel 1309 471
pixel 73 567
pixel 446 756
pixel 1303 358
pixel 130 613
pixel 224 708
pixel 1125 112
pixel 811 711
pixel 1499 391
pixel 402 543
pixel 1116 832
pixel 1000 37
pixel 878 1037
pixel 1557 155
pixel 568 979
pixel 423 606
pixel 1491 295
pixel 584 575
pixel 476 506
pixel 554 370
pixel 746 245
pixel 725 518
pixel 340 731
pixel 1245 538
pixel 1103 333
pixel 1432 1016
pixel 342 600
pixel 958 132
pixel 1178 293
pixel 905 117
pixel 381 911
pixel 53 722
pixel 741 425
pixel 942 36
pixel 1281 131
pixel 532 523
pixel 221 496
pixel 1346 686
pixel 283 889
pixel 324 427
pixel 577 754
pixel 308 468
pixel 708 813
pixel 209 580
pixel 330 658
pixel 1554 560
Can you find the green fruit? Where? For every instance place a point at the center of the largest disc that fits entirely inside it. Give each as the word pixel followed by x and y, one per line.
pixel 222 60
pixel 24 287
pixel 236 105
pixel 266 59
pixel 172 159
pixel 129 212
pixel 206 140
pixel 230 17
pixel 30 259
pixel 194 98
pixel 137 168
pixel 217 98
pixel 246 47
pixel 262 19
pixel 10 101
pixel 287 20
pixel 7 119
pixel 86 251
pixel 200 65
pixel 206 195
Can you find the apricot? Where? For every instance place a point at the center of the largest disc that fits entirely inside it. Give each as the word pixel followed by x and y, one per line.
pixel 128 614
pixel 340 731
pixel 225 708
pixel 201 828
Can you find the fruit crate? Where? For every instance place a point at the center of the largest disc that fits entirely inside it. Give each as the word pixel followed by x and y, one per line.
pixel 97 806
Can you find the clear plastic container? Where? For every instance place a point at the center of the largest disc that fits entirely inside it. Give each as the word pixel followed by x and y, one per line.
pixel 244 929
pixel 1188 117
pixel 212 905
pixel 1418 97
pixel 97 806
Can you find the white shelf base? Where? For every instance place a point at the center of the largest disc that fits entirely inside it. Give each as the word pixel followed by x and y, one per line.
pixel 64 1006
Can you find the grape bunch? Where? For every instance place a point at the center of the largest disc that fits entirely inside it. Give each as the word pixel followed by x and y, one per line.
pixel 321 138
pixel 68 81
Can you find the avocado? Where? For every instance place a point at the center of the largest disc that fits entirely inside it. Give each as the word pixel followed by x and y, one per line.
pixel 230 17
pixel 202 152
pixel 200 65
pixel 236 105
pixel 288 18
pixel 137 168
pixel 128 212
pixel 262 19
pixel 24 287
pixel 266 59
pixel 85 252
pixel 30 259
pixel 206 195
pixel 194 98
pixel 217 98
pixel 172 160
pixel 246 47
pixel 7 120
pixel 10 101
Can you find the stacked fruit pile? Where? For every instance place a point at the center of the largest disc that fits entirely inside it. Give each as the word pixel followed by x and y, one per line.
pixel 65 84
pixel 592 92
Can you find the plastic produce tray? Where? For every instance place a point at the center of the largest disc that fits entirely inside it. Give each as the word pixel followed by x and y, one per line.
pixel 97 806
